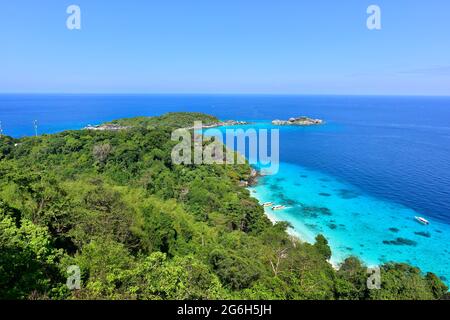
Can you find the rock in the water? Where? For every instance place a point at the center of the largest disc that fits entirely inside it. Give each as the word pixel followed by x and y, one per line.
pixel 300 121
pixel 400 242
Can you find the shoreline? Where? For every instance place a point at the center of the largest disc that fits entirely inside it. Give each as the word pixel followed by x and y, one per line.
pixel 290 230
pixel 362 236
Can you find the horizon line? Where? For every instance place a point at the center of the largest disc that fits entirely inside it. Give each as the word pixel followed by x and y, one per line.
pixel 229 94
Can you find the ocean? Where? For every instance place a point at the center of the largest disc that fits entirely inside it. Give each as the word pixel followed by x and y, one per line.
pixel 359 179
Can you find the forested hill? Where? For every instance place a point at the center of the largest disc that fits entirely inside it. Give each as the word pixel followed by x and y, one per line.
pixel 139 227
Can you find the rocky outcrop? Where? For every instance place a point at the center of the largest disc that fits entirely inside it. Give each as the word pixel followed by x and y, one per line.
pixel 221 124
pixel 226 123
pixel 106 127
pixel 300 121
pixel 233 123
pixel 243 183
pixel 253 178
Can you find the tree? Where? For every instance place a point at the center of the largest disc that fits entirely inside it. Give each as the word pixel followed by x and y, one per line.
pixel 101 152
pixel 322 246
pixel 400 281
pixel 351 282
pixel 28 262
pixel 438 288
pixel 234 271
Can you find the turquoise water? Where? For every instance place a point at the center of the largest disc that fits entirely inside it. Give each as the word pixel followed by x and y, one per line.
pixel 377 163
pixel 353 222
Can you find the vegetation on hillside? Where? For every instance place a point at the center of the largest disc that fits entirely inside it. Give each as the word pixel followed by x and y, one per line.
pixel 140 227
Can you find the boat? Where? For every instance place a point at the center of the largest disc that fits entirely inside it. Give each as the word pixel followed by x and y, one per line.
pixel 422 220
pixel 279 207
pixel 267 204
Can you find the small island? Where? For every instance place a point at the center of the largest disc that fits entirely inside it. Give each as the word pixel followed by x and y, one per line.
pixel 124 124
pixel 300 121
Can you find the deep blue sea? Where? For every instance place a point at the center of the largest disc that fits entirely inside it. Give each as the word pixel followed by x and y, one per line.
pixel 360 179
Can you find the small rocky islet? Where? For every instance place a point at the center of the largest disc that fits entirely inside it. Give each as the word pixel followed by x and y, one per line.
pixel 299 121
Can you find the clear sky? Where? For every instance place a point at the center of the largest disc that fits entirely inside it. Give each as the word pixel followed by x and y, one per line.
pixel 226 46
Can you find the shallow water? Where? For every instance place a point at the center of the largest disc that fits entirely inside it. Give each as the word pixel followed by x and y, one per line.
pixel 377 162
pixel 354 223
pixel 375 229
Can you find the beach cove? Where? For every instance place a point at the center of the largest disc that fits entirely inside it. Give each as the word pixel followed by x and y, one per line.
pixel 354 223
pixel 374 229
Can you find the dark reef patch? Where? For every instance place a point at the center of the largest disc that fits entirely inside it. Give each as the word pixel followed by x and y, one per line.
pixel 325 211
pixel 314 212
pixel 395 230
pixel 279 195
pixel 324 194
pixel 400 242
pixel 311 226
pixel 347 194
pixel 273 187
pixel 332 226
pixel 285 200
pixel 423 234
pixel 291 202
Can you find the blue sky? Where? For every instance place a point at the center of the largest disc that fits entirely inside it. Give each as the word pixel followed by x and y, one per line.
pixel 226 46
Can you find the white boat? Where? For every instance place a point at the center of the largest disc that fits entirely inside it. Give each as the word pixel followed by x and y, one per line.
pixel 267 204
pixel 279 207
pixel 422 220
